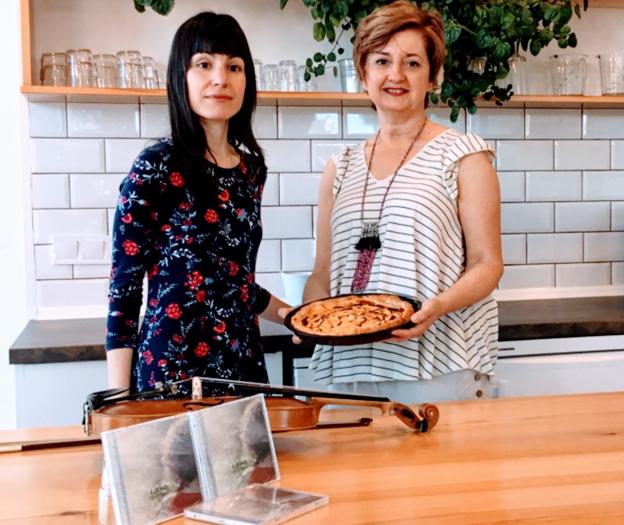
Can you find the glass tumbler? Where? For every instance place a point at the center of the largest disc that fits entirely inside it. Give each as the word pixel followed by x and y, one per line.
pixel 105 70
pixel 80 70
pixel 288 75
pixel 612 73
pixel 516 76
pixel 270 75
pixel 150 73
pixel 130 69
pixel 569 73
pixel 53 70
pixel 302 84
pixel 258 73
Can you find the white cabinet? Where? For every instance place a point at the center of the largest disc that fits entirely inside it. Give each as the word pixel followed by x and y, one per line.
pixel 541 367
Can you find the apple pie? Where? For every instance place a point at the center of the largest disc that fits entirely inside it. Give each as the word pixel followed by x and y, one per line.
pixel 352 315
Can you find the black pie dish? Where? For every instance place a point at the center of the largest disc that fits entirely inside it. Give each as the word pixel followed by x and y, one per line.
pixel 346 340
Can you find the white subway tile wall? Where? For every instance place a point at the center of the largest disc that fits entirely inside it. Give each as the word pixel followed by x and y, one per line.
pixel 561 173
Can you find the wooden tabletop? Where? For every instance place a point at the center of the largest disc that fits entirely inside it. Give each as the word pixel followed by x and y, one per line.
pixel 524 460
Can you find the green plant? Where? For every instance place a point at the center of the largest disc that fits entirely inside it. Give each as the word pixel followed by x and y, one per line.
pixel 494 29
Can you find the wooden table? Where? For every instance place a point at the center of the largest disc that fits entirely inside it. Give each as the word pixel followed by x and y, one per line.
pixel 524 460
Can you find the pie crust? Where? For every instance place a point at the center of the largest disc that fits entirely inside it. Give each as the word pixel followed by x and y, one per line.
pixel 352 315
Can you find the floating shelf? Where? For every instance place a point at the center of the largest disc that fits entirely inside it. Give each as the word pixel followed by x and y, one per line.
pixel 286 98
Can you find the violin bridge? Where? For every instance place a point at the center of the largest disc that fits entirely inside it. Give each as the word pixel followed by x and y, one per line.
pixel 196 388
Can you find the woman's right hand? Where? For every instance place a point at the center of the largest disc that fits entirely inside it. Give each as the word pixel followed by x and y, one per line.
pixel 283 312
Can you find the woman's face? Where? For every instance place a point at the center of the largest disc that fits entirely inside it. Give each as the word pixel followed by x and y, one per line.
pixel 216 85
pixel 397 76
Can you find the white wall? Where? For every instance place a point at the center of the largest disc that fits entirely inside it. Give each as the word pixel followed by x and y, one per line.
pixel 13 203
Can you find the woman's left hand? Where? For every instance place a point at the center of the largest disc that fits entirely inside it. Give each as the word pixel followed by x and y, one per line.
pixel 430 310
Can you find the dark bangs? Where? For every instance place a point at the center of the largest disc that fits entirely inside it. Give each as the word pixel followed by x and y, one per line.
pixel 208 32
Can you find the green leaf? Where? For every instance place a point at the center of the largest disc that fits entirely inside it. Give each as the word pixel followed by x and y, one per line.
pixel 331 56
pixel 318 57
pixel 508 21
pixel 535 46
pixel 283 3
pixel 577 10
pixel 308 62
pixel 139 6
pixel 318 30
pixel 572 40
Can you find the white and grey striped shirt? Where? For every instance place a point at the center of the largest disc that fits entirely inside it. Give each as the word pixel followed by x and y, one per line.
pixel 421 255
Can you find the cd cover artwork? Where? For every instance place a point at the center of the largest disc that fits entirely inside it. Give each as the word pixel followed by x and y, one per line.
pixel 233 446
pixel 152 470
pixel 256 505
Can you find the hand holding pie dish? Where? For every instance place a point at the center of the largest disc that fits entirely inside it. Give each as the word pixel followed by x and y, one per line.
pixel 352 319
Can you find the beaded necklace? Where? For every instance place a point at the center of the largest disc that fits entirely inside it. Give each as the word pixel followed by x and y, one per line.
pixel 370 242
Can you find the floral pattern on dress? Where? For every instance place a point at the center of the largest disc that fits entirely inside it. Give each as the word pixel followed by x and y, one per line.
pixel 196 237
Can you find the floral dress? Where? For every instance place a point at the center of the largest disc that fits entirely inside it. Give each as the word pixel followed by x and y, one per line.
pixel 196 236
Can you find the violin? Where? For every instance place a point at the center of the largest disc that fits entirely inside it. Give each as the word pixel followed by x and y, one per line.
pixel 106 410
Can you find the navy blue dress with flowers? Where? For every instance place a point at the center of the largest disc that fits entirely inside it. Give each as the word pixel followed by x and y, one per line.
pixel 196 236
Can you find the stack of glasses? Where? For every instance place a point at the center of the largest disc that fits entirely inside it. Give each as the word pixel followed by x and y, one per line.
pixel 81 68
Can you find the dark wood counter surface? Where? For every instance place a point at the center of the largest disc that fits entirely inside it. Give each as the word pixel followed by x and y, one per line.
pixel 82 339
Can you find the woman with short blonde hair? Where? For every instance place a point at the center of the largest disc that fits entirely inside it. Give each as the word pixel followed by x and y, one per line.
pixel 413 211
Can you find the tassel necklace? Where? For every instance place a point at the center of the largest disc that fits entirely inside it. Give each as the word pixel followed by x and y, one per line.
pixel 369 242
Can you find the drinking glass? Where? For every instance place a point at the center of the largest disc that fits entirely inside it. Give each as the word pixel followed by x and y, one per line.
pixel 80 70
pixel 612 73
pixel 105 70
pixel 150 73
pixel 516 76
pixel 130 67
pixel 302 84
pixel 258 72
pixel 270 75
pixel 288 75
pixel 569 74
pixel 54 66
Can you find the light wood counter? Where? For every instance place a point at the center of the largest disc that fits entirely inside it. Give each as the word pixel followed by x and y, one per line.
pixel 525 460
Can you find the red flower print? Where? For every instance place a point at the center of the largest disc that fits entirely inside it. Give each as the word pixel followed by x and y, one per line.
pixel 200 296
pixel 153 302
pixel 127 218
pixel 239 212
pixel 130 247
pixel 153 272
pixel 233 268
pixel 162 362
pixel 165 228
pixel 173 311
pixel 243 167
pixel 211 216
pixel 187 222
pixel 154 216
pixel 123 199
pixel 177 339
pixel 244 293
pixel 194 279
pixel 250 278
pixel 224 196
pixel 176 179
pixel 220 328
pixel 202 349
pixel 184 206
pixel 189 240
pixel 148 357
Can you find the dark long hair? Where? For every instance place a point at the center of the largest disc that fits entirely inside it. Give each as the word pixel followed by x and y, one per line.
pixel 208 32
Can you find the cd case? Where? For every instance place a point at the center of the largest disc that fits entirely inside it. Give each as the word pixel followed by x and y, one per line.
pixel 158 468
pixel 256 505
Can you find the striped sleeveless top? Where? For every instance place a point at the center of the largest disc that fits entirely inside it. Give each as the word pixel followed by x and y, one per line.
pixel 421 255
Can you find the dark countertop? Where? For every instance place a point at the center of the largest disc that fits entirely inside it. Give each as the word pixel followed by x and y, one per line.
pixel 82 339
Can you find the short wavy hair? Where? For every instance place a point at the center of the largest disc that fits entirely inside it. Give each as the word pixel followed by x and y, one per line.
pixel 376 30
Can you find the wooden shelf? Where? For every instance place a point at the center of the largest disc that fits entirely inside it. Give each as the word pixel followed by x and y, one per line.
pixel 285 98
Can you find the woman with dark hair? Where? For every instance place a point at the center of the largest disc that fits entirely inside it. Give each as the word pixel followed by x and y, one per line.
pixel 188 216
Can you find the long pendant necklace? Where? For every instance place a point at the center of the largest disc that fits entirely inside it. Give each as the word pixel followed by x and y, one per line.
pixel 370 242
